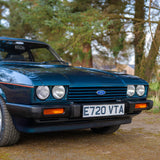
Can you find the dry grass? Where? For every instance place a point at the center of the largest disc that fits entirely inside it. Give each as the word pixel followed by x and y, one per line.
pixel 136 141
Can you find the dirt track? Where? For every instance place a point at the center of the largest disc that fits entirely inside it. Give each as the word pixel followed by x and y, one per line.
pixel 137 141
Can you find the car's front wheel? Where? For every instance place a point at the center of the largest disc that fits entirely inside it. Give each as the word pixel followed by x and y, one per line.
pixel 106 130
pixel 8 133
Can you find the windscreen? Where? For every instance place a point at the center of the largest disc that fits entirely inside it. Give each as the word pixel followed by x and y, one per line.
pixel 24 51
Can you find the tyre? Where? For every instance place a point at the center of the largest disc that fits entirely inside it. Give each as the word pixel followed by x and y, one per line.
pixel 106 130
pixel 8 133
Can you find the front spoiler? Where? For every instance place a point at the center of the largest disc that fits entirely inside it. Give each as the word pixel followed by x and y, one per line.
pixel 31 127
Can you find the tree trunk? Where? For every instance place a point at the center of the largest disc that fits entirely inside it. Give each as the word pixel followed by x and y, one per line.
pixel 86 57
pixel 139 35
pixel 153 53
pixel 87 61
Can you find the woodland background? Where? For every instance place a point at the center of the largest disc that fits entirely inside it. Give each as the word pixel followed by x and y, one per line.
pixel 114 30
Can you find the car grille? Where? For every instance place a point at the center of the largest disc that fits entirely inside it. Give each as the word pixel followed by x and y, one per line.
pixel 77 94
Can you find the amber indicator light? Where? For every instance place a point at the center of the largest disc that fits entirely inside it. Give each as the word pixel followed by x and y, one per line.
pixel 141 105
pixel 53 111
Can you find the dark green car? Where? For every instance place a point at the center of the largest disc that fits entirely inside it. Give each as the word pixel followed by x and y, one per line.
pixel 39 92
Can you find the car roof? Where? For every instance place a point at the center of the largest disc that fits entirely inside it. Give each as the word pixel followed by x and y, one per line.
pixel 20 40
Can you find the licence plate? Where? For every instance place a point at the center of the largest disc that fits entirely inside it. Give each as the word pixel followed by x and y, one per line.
pixel 103 110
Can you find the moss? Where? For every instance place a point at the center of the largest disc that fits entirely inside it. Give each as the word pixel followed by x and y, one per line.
pixel 5 156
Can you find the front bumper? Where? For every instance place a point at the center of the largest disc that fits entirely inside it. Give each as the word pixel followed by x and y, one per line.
pixel 30 118
pixel 71 110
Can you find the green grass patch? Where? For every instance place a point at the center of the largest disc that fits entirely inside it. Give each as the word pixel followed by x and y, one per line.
pixel 156 105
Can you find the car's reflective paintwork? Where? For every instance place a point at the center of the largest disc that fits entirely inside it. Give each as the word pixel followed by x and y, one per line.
pixel 61 74
pixel 31 74
pixel 50 75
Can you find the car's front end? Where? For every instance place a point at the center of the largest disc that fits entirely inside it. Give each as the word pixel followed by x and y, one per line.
pixel 57 104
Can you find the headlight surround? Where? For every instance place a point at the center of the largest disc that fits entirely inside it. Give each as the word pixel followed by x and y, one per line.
pixel 58 92
pixel 42 92
pixel 130 90
pixel 140 90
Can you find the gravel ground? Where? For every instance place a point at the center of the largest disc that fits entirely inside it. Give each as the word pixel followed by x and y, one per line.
pixel 137 141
